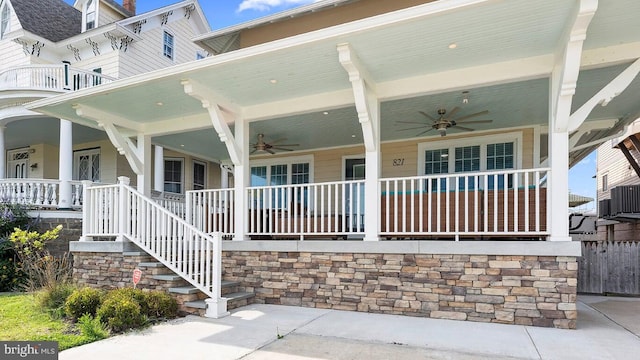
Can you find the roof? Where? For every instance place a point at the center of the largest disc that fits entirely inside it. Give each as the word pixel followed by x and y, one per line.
pixel 60 20
pixel 577 200
pixel 119 8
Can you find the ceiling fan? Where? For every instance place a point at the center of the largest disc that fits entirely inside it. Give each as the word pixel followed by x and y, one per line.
pixel 261 145
pixel 446 121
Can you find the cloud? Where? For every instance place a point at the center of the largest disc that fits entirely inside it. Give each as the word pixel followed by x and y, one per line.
pixel 267 5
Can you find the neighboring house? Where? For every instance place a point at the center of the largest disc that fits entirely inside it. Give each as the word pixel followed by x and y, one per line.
pixel 618 172
pixel 49 48
pixel 421 122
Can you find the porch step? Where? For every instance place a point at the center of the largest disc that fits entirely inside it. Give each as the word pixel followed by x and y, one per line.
pixel 151 265
pixel 185 290
pixel 200 304
pixel 167 277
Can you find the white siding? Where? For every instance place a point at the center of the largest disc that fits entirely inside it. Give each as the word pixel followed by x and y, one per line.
pixel 106 15
pixel 12 53
pixel 146 55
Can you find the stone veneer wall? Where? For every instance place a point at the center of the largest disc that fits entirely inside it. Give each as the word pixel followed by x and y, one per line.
pixel 111 270
pixel 524 290
pixel 71 231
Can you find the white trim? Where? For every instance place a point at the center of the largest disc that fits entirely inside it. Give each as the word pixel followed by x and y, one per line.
pixel 536 146
pixel 96 4
pixel 173 45
pixel 4 4
pixel 344 163
pixel 76 162
pixel 482 141
pixel 193 178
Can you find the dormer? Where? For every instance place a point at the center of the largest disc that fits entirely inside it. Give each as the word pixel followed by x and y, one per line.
pixel 97 13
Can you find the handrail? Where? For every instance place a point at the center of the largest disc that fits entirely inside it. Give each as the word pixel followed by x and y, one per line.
pixel 40 193
pixel 121 211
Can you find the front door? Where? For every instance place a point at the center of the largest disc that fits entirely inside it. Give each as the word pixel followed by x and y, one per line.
pixel 18 164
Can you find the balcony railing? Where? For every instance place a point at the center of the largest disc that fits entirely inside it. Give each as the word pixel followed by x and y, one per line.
pixel 38 193
pixel 59 78
pixel 499 203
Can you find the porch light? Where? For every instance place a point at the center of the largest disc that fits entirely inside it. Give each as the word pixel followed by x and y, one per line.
pixel 453 46
pixel 273 81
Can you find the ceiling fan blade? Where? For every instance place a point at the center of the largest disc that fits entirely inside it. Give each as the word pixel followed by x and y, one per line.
pixel 411 122
pixel 254 150
pixel 413 128
pixel 282 149
pixel 427 116
pixel 453 112
pixel 281 145
pixel 462 128
pixel 277 141
pixel 471 115
pixel 270 151
pixel 478 122
pixel 424 132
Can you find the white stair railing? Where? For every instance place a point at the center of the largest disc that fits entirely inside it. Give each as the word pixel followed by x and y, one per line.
pixel 38 193
pixel 122 212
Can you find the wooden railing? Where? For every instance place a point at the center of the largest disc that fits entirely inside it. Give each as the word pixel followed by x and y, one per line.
pixel 38 193
pixel 120 211
pixel 50 77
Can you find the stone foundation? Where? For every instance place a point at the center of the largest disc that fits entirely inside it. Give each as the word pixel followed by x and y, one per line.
pixel 71 230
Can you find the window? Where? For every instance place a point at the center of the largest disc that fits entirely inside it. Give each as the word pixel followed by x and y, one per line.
pixel 86 165
pixel 173 175
pixel 90 15
pixel 5 18
pixel 605 182
pixel 489 153
pixel 199 175
pixel 279 172
pixel 168 45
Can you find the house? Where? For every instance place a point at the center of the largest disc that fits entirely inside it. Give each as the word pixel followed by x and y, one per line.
pixel 618 179
pixel 411 160
pixel 49 48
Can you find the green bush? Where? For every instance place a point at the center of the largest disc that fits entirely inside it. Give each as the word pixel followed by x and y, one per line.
pixel 121 310
pixel 53 298
pixel 11 277
pixel 160 305
pixel 12 216
pixel 83 301
pixel 92 327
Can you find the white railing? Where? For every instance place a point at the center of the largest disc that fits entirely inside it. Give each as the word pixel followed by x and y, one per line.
pixel 172 202
pixel 211 211
pixel 507 202
pixel 50 77
pixel 39 193
pixel 321 209
pixel 120 211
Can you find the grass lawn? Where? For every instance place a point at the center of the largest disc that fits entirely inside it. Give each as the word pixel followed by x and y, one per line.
pixel 22 320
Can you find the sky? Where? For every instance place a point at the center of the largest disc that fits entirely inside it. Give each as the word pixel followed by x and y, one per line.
pixel 224 13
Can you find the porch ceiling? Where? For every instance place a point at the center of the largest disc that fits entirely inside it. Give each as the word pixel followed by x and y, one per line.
pixel 504 57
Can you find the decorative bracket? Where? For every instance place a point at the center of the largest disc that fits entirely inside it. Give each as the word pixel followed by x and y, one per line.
pixel 219 109
pixel 119 138
pixel 567 67
pixel 364 93
pixel 604 96
pixel 588 127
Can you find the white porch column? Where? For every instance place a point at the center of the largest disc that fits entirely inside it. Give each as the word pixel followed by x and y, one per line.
pixel 158 169
pixel 241 180
pixel 144 177
pixel 224 177
pixel 65 167
pixel 558 186
pixel 3 154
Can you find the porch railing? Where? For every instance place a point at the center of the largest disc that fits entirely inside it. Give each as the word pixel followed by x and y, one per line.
pixel 495 203
pixel 50 77
pixel 172 202
pixel 120 211
pixel 38 193
pixel 506 202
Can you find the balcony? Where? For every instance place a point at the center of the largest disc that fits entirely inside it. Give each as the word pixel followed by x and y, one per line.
pixel 50 78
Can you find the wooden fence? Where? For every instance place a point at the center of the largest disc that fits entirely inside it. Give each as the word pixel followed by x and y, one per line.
pixel 609 267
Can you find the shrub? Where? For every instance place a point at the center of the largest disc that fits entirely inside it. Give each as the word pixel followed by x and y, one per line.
pixel 121 312
pixel 11 275
pixel 12 216
pixel 92 327
pixel 53 298
pixel 83 301
pixel 160 305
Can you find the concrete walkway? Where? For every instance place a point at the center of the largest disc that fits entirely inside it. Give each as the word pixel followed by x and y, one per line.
pixel 608 328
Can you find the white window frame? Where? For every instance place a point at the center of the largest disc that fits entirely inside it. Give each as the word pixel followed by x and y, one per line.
pixel 605 182
pixel 193 178
pixel 173 45
pixel 181 160
pixel 85 14
pixel 4 9
pixel 283 161
pixel 482 141
pixel 76 162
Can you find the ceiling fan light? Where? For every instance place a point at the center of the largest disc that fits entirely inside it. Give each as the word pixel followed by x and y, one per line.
pixel 443 131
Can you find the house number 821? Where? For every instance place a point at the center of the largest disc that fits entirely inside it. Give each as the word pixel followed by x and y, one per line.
pixel 398 162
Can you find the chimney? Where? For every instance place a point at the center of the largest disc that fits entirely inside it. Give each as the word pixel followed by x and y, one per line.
pixel 130 5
